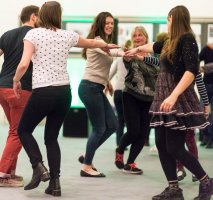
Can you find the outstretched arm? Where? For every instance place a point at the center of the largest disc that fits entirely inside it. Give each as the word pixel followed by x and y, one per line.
pixel 93 43
pixel 151 60
pixel 147 48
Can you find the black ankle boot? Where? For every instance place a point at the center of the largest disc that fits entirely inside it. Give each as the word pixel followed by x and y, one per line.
pixel 205 190
pixel 40 173
pixel 169 194
pixel 54 187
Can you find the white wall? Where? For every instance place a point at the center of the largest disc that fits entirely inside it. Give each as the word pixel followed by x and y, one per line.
pixel 10 9
pixel 198 8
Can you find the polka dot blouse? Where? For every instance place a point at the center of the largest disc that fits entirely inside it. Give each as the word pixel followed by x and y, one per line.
pixel 50 56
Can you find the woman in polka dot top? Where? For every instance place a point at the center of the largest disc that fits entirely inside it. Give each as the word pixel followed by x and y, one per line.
pixel 48 48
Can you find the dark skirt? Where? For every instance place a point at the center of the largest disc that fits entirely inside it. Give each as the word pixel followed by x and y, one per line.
pixel 187 113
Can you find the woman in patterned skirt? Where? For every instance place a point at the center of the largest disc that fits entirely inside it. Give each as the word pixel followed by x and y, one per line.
pixel 176 107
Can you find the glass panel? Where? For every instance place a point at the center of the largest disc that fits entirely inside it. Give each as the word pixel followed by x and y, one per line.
pixel 163 28
pixel 81 28
pixel 197 31
pixel 210 34
pixel 75 68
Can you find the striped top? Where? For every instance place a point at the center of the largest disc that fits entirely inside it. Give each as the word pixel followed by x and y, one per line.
pixel 198 80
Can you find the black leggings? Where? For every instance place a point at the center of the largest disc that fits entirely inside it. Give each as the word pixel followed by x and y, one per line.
pixel 52 102
pixel 171 147
pixel 137 118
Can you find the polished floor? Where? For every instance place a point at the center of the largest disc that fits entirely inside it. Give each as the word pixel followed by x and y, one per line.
pixel 116 185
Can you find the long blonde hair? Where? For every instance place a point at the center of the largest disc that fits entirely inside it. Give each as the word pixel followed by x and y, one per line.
pixel 142 30
pixel 180 25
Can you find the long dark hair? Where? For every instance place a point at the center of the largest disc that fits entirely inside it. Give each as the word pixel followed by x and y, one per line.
pixel 180 25
pixel 97 29
pixel 50 15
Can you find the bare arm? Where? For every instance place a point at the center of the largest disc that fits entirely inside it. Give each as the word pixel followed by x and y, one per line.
pixel 183 84
pixel 93 43
pixel 147 48
pixel 1 52
pixel 22 67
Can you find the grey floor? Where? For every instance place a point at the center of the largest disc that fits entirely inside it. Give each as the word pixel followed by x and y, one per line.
pixel 116 185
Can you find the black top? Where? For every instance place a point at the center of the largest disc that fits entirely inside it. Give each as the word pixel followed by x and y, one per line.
pixel 11 43
pixel 185 56
pixel 206 55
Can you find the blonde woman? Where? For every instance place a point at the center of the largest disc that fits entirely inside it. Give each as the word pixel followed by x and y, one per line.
pixel 137 98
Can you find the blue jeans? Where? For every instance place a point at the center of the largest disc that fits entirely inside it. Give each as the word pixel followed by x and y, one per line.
pixel 100 114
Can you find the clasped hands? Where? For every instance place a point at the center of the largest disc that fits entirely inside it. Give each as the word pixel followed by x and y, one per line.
pixel 132 53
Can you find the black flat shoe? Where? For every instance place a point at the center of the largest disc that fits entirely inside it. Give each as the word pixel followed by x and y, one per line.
pixel 81 160
pixel 85 174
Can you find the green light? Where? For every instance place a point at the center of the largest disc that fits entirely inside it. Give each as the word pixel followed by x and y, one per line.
pixel 154 20
pixel 77 19
pixel 90 19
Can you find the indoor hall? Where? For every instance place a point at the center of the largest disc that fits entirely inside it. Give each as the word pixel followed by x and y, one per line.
pixel 78 16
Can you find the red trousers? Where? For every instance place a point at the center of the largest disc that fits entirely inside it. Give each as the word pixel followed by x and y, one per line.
pixel 191 145
pixel 13 109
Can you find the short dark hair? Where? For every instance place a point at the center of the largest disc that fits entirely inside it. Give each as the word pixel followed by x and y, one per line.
pixel 50 15
pixel 27 12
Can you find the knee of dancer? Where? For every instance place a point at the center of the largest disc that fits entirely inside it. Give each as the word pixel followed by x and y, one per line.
pixel 176 152
pixel 136 136
pixel 51 141
pixel 19 131
pixel 99 130
pixel 22 132
pixel 111 127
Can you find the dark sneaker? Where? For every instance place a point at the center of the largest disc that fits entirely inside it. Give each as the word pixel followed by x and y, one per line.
pixel 170 194
pixel 181 174
pixel 205 191
pixel 119 162
pixel 194 178
pixel 132 169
